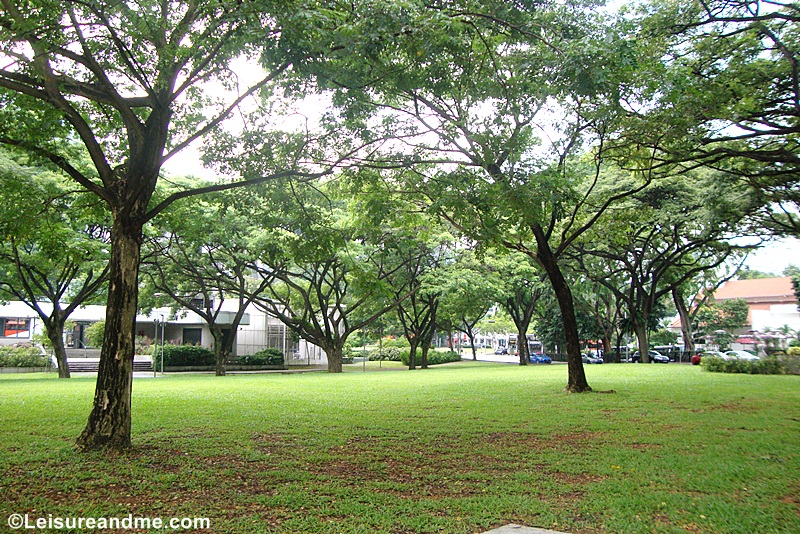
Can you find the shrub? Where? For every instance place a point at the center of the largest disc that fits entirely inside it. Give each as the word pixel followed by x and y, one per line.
pixel 391 354
pixel 184 356
pixel 399 342
pixel 263 357
pixel 23 357
pixel 95 332
pixel 434 357
pixel 770 365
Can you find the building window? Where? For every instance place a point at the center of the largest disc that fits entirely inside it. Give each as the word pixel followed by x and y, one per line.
pixel 192 336
pixel 15 327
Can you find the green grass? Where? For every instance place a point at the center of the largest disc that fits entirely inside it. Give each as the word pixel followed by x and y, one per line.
pixel 459 448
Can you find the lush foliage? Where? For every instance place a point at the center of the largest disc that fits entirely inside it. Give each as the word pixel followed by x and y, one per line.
pixel 719 320
pixel 22 357
pixel 391 354
pixel 769 365
pixel 183 356
pixel 435 357
pixel 95 332
pixel 263 357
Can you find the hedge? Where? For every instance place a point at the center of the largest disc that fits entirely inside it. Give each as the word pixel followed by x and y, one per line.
pixel 770 365
pixel 263 357
pixel 434 357
pixel 184 356
pixel 391 354
pixel 23 357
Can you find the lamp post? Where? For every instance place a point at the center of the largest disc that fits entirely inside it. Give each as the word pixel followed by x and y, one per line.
pixel 163 333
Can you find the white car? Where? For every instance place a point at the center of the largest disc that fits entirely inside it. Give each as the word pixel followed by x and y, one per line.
pixel 741 355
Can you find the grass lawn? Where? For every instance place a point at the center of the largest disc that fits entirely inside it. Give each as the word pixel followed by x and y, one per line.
pixel 460 448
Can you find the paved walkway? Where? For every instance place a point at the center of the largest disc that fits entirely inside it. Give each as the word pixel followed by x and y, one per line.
pixel 519 529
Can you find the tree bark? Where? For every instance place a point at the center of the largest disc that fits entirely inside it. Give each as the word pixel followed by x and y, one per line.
pixel 576 378
pixel 412 356
pixel 686 322
pixel 55 333
pixel 640 329
pixel 334 355
pixel 109 424
pixel 522 343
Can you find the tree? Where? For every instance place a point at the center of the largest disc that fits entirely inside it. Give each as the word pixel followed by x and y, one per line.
pixel 129 81
pixel 690 296
pixel 326 274
pixel 665 237
pixel 413 240
pixel 468 290
pixel 722 90
pixel 55 248
pixel 719 320
pixel 604 307
pixel 520 285
pixel 475 88
pixel 199 259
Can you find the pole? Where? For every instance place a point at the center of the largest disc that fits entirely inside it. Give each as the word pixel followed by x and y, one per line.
pixel 155 338
pixel 163 334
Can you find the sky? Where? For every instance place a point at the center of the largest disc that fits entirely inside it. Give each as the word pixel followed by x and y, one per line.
pixel 775 257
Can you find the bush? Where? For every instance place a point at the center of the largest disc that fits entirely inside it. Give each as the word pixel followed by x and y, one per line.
pixel 399 342
pixel 770 365
pixel 184 356
pixel 94 333
pixel 263 357
pixel 23 357
pixel 391 354
pixel 434 357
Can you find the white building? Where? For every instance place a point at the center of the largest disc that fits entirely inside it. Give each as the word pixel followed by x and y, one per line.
pixel 257 331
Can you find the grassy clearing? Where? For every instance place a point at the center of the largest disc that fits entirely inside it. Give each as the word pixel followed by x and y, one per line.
pixel 459 448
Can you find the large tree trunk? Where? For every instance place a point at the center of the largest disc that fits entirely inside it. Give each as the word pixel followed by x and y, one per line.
pixel 109 424
pixel 55 333
pixel 576 378
pixel 686 322
pixel 334 355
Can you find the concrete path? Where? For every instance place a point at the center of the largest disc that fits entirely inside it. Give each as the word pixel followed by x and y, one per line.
pixel 519 529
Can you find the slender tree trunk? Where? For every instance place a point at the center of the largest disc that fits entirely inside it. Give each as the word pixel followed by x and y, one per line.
pixel 109 424
pixel 220 357
pixel 576 378
pixel 471 338
pixel 55 333
pixel 686 322
pixel 522 341
pixel 640 329
pixel 221 352
pixel 412 355
pixel 424 355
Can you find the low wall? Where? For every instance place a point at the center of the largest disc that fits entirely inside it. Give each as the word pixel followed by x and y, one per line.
pixel 13 370
pixel 199 368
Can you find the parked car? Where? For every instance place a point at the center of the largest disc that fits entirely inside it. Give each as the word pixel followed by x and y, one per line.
pixel 655 357
pixel 501 350
pixel 591 358
pixel 540 358
pixel 741 355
